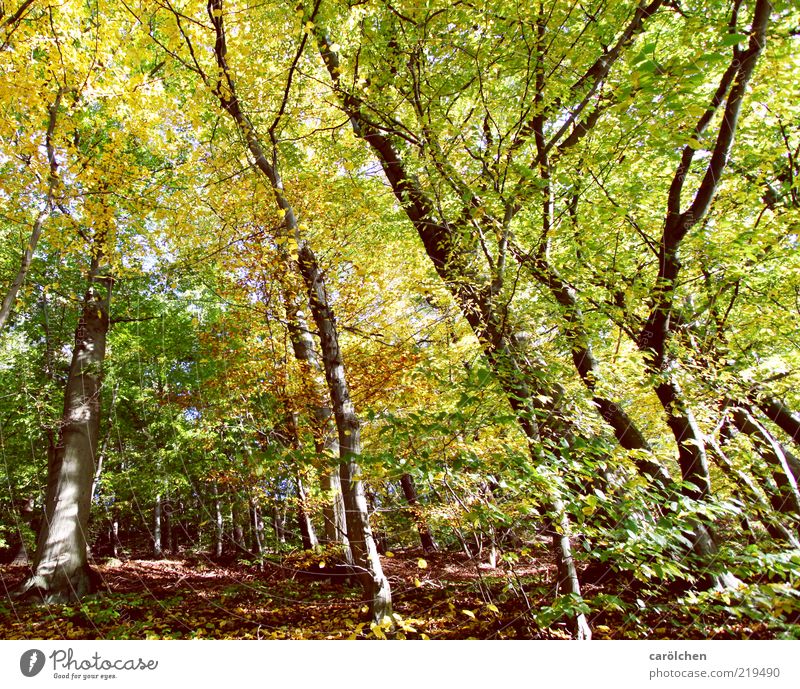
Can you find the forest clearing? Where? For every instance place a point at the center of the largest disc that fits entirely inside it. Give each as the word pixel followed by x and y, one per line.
pixel 400 319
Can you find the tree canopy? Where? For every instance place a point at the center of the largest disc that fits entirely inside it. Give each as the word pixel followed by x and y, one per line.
pixel 517 282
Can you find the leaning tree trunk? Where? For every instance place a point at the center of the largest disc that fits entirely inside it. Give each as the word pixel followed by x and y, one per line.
pixel 61 571
pixel 444 244
pixel 359 532
pixel 362 543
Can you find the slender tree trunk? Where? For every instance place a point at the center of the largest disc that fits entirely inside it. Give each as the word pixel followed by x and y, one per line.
pixel 325 436
pixel 410 492
pixel 362 544
pixel 220 525
pixel 157 515
pixel 60 569
pixel 359 532
pixel 256 526
pixel 307 533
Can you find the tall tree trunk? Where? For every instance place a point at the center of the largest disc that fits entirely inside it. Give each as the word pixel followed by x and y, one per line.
pixel 362 544
pixel 410 492
pixel 60 569
pixel 359 533
pixel 474 294
pixel 326 440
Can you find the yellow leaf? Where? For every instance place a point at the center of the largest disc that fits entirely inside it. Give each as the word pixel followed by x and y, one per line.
pixel 389 553
pixel 492 607
pixel 422 564
pixel 417 582
pixel 469 613
pixel 321 564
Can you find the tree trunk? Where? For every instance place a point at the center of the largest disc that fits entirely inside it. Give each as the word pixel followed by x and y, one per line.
pixel 362 544
pixel 785 496
pixel 307 533
pixel 359 533
pixel 410 492
pixel 326 441
pixel 157 549
pixel 60 569
pixel 220 525
pixel 257 526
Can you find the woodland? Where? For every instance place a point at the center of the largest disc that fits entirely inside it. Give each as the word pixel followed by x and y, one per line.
pixel 400 319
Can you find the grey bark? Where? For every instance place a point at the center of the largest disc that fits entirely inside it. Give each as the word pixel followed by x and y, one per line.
pixel 359 534
pixel 308 534
pixel 61 571
pixel 157 548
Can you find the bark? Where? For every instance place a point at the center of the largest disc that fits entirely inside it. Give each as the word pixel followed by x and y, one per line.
pixel 362 543
pixel 783 417
pixel 785 497
pixel 325 436
pixel 60 569
pixel 157 513
pixel 220 525
pixel 410 492
pixel 359 533
pixel 453 261
pixel 307 533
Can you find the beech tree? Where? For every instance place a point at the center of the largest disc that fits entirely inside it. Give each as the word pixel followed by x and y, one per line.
pixel 462 276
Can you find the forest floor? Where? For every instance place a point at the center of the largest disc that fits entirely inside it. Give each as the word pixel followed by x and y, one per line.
pixel 437 596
